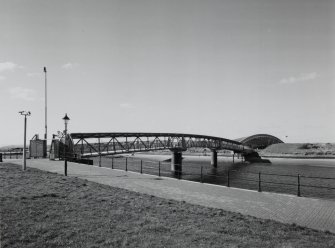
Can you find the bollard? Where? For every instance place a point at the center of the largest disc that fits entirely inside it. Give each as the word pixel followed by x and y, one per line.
pixel 65 166
pixel 141 167
pixel 259 182
pixel 159 168
pixel 112 162
pixel 299 193
pixel 228 179
pixel 201 175
pixel 126 164
pixel 0 157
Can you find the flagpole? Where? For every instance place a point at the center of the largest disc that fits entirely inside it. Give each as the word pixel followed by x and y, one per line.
pixel 46 106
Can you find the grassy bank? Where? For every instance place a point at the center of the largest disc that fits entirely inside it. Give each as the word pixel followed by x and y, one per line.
pixel 300 150
pixel 40 209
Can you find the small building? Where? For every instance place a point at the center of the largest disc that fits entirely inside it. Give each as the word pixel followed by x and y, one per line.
pixel 259 141
pixel 38 147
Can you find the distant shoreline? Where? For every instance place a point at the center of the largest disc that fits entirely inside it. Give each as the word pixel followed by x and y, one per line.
pixel 297 157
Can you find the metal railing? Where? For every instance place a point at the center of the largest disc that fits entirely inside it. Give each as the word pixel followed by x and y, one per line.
pixel 258 180
pixel 230 178
pixel 13 154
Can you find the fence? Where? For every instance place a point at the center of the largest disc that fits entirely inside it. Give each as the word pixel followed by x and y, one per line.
pixel 298 184
pixel 13 155
pixel 231 178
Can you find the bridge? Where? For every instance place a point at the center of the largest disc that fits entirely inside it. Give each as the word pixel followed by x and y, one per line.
pixel 85 145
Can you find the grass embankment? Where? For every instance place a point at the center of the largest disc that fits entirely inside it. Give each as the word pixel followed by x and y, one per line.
pixel 300 150
pixel 41 209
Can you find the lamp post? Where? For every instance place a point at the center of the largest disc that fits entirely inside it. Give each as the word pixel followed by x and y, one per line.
pixel 66 121
pixel 25 113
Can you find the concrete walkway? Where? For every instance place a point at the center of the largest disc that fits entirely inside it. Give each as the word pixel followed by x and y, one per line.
pixel 313 213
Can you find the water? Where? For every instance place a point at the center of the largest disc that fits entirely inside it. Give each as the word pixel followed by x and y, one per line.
pixel 242 175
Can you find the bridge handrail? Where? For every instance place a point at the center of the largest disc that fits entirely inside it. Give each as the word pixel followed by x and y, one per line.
pixel 136 134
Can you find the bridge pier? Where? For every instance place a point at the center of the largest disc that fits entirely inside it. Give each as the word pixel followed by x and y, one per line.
pixel 176 161
pixel 214 158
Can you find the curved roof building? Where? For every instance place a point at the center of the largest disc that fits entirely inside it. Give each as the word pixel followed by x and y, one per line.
pixel 259 141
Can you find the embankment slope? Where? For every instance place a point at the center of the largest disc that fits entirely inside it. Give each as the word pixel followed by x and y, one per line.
pixel 300 150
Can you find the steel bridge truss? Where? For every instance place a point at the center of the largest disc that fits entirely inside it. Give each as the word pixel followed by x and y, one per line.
pixel 103 144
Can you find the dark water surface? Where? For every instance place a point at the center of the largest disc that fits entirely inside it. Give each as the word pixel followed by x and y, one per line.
pixel 317 176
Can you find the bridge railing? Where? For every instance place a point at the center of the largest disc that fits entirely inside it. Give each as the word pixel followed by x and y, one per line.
pixel 300 185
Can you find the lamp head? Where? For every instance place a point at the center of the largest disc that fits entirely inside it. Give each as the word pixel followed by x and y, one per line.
pixel 26 113
pixel 66 119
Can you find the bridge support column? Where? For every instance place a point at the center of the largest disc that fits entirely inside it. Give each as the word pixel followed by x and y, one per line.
pixel 176 162
pixel 214 159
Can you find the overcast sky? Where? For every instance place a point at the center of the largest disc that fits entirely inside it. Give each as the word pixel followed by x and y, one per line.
pixel 227 68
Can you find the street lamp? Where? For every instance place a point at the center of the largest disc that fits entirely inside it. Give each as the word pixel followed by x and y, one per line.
pixel 66 121
pixel 25 113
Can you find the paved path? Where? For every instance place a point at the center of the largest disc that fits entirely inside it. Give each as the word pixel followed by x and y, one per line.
pixel 314 213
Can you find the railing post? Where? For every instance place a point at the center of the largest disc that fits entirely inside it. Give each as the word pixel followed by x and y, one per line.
pixel 65 164
pixel 141 166
pixel 126 164
pixel 228 179
pixel 259 182
pixel 65 167
pixel 201 175
pixel 159 168
pixel 299 193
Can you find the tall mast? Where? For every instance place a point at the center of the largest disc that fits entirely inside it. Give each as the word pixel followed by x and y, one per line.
pixel 46 106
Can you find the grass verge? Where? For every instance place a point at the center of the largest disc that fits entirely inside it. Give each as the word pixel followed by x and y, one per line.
pixel 42 209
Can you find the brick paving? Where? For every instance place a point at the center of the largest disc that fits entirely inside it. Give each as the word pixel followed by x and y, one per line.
pixel 309 212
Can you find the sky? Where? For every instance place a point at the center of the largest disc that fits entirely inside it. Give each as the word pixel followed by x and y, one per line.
pixel 226 68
